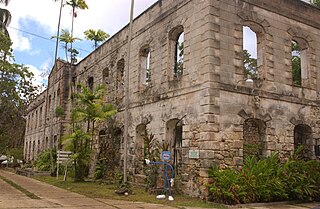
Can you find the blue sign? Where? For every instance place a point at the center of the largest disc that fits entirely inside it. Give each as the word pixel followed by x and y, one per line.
pixel 165 155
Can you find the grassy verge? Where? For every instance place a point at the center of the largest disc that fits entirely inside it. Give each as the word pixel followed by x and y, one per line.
pixel 107 191
pixel 18 187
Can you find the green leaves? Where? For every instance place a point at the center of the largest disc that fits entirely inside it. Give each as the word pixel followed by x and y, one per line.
pixel 96 35
pixel 265 180
pixel 68 40
pixel 16 91
pixel 250 65
pixel 315 3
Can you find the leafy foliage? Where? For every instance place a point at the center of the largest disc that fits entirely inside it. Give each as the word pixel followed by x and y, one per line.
pixel 266 180
pixel 59 111
pixel 16 90
pixel 96 35
pixel 89 109
pixel 315 3
pixel 78 143
pixel 43 162
pixel 67 39
pixel 249 65
pixel 152 153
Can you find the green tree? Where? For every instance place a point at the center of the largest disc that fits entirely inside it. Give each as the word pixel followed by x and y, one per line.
pixel 75 4
pixel 249 65
pixel 77 143
pixel 67 40
pixel 96 35
pixel 5 18
pixel 91 109
pixel 16 90
pixel 315 2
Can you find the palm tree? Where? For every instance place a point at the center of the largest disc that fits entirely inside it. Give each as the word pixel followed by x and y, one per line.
pixel 96 36
pixel 5 18
pixel 67 39
pixel 92 109
pixel 76 142
pixel 81 4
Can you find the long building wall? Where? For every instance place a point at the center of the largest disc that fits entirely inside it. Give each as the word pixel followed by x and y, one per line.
pixel 208 106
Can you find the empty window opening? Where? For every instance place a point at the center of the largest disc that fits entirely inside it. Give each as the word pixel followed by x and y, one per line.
pixel 36 121
pixel 111 151
pixel 29 151
pixel 174 141
pixel 296 63
pixel 38 148
pixel 46 145
pixel 49 101
pixel 254 133
pixel 26 151
pixel 40 115
pixel 179 51
pixel 105 75
pixel 250 53
pixel 120 73
pixel 90 83
pixel 176 51
pixel 141 147
pixel 145 65
pixel 33 150
pixel 55 141
pixel 303 137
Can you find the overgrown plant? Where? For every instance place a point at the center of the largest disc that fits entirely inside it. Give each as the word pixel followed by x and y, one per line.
pixel 77 142
pixel 43 162
pixel 91 109
pixel 152 153
pixel 266 180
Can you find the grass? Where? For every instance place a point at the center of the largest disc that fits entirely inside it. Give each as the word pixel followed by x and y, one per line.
pixel 107 191
pixel 18 187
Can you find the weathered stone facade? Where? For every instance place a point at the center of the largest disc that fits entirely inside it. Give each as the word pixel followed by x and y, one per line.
pixel 201 112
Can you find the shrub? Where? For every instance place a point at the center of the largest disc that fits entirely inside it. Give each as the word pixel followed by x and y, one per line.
pixel 266 180
pixel 43 162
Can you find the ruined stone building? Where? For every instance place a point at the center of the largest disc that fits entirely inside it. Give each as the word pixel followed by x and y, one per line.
pixel 188 87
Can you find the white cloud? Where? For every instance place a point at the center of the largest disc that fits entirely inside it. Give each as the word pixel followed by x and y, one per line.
pixel 108 15
pixel 38 80
pixel 20 43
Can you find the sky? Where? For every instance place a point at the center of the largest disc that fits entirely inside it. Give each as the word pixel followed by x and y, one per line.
pixel 34 22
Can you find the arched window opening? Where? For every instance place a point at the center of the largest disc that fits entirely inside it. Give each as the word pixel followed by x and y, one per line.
pixel 174 140
pixel 47 143
pixel 102 161
pixel 303 137
pixel 26 152
pixel 176 51
pixel 29 151
pixel 38 147
pixel 250 53
pixel 296 63
pixel 90 83
pixel 110 151
pixel 179 51
pixel 33 150
pixel 141 147
pixel 120 73
pixel 145 65
pixel 254 134
pixel 105 75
